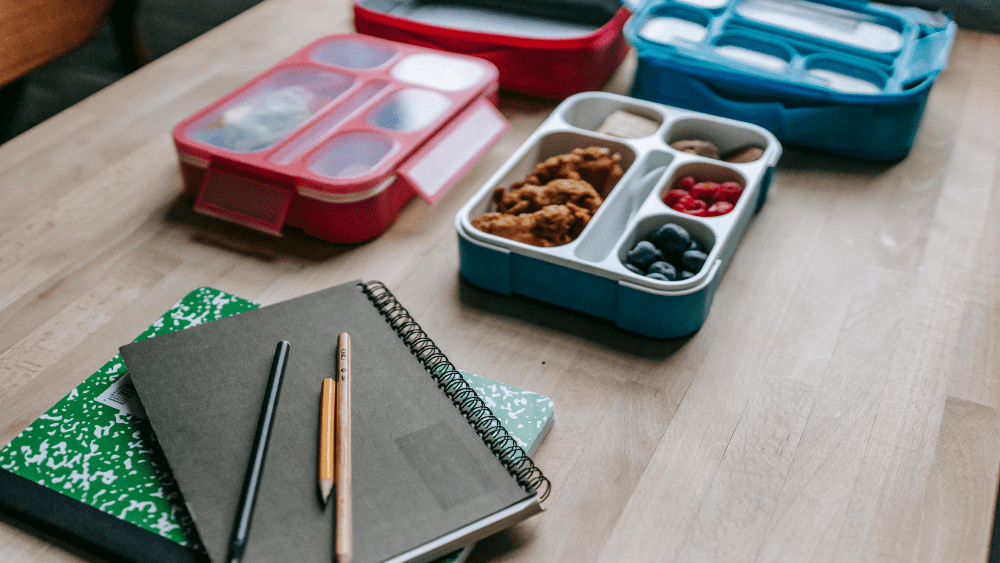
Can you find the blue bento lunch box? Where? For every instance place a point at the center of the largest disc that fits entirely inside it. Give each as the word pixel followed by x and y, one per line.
pixel 589 273
pixel 846 76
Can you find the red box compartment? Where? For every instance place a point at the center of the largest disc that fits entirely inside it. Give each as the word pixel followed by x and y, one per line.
pixel 548 48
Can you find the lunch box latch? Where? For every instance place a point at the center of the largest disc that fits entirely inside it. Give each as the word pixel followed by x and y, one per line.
pixel 234 196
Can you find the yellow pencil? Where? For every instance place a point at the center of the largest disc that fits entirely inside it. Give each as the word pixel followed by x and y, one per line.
pixel 327 424
pixel 343 540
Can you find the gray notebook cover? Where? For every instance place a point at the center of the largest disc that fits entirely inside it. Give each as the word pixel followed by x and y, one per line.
pixel 419 470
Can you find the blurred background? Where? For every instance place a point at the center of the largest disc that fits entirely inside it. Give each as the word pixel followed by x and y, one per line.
pixel 54 53
pixel 102 41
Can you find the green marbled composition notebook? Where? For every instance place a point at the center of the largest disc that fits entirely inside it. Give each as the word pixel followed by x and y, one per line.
pixel 90 469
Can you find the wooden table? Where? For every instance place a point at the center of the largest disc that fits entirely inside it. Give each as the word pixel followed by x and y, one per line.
pixel 840 404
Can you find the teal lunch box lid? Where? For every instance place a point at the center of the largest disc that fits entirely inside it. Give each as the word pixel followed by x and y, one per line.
pixel 840 51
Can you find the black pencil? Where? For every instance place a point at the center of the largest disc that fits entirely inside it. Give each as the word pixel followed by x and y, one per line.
pixel 241 528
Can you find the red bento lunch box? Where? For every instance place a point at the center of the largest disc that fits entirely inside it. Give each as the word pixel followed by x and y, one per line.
pixel 548 48
pixel 336 138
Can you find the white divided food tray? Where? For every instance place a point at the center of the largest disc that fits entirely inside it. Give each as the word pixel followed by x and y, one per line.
pixel 588 274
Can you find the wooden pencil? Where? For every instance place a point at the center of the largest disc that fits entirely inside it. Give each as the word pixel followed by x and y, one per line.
pixel 241 528
pixel 343 540
pixel 327 426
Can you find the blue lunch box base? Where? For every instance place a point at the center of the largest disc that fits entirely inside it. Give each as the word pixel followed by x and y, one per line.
pixel 633 308
pixel 879 129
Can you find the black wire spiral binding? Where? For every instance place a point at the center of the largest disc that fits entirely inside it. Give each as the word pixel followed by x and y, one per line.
pixel 464 397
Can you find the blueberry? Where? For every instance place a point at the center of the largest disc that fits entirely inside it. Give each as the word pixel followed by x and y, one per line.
pixel 665 269
pixel 693 260
pixel 685 275
pixel 655 276
pixel 693 246
pixel 635 269
pixel 671 238
pixel 643 255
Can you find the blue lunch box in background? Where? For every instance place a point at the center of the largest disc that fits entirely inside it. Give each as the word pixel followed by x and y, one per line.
pixel 845 76
pixel 589 273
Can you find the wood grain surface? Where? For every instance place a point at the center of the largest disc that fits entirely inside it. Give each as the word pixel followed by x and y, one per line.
pixel 840 404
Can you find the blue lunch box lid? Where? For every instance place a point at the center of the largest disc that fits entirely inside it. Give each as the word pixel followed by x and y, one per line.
pixel 844 51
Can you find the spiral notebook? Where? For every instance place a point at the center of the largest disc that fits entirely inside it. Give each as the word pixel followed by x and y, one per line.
pixel 132 511
pixel 425 481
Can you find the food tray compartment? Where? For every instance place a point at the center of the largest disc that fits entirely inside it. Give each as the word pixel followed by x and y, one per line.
pixel 322 126
pixel 561 142
pixel 440 72
pixel 589 274
pixel 746 49
pixel 789 58
pixel 549 48
pixel 589 112
pixel 592 243
pixel 409 110
pixel 352 53
pixel 723 135
pixel 865 30
pixel 712 5
pixel 600 237
pixel 705 234
pixel 705 172
pixel 842 75
pixel 676 23
pixel 270 108
pixel 351 154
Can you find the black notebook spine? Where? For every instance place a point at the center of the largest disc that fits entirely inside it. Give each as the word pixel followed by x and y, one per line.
pixel 464 397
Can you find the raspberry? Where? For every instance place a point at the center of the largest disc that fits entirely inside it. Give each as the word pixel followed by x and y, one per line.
pixel 719 208
pixel 686 183
pixel 671 238
pixel 691 206
pixel 643 254
pixel 673 195
pixel 665 269
pixel 704 191
pixel 728 191
pixel 683 203
pixel 696 205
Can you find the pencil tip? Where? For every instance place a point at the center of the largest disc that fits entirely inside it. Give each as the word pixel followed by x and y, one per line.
pixel 325 488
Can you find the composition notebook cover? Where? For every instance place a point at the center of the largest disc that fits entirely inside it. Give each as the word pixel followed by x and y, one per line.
pixel 424 481
pixel 90 469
